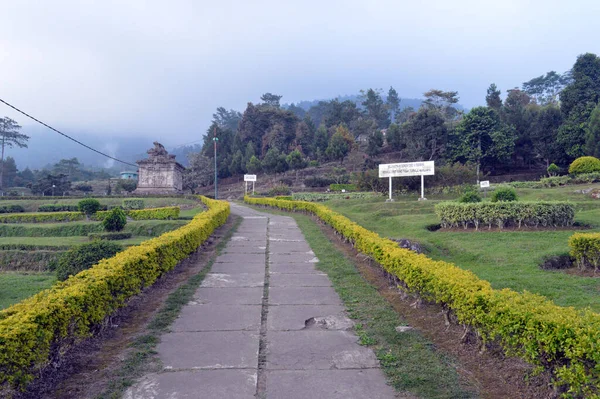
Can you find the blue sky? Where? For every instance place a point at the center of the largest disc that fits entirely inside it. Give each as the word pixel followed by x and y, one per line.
pixel 160 69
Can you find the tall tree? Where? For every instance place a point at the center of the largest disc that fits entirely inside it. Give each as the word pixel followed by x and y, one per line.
pixel 340 144
pixel 443 101
pixel 375 107
pixel 10 172
pixel 227 119
pixel 424 136
pixel 577 101
pixel 492 98
pixel 70 167
pixel 393 103
pixel 375 142
pixel 546 88
pixel 544 131
pixel 271 100
pixel 592 135
pixel 483 139
pixel 393 137
pixel 199 173
pixel 517 113
pixel 10 137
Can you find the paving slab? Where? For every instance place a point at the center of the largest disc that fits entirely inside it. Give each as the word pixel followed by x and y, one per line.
pixel 244 249
pixel 233 268
pixel 241 258
pixel 294 317
pixel 213 317
pixel 317 350
pixel 229 296
pixel 297 257
pixel 231 384
pixel 233 280
pixel 299 280
pixel 289 248
pixel 293 268
pixel 209 350
pixel 303 296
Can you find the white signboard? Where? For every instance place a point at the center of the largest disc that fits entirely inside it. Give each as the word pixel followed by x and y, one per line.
pixel 425 168
pixel 484 184
pixel 249 177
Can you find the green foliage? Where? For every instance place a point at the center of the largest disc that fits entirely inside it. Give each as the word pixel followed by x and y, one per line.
pixel 11 209
pixel 128 185
pixel 584 165
pixel 425 136
pixel 470 197
pixel 318 181
pixel 58 208
pixel 318 197
pixel 585 248
pixel 340 144
pixel 553 170
pixel 83 257
pixel 40 217
pixel 28 260
pixel 505 214
pixel 280 190
pixel 115 220
pixel 592 133
pixel 555 181
pixel 110 236
pixel 254 165
pixel 393 137
pixel 295 160
pixel 89 206
pixel 313 163
pixel 84 188
pixel 166 213
pixel 133 204
pixel 504 194
pixel 274 162
pixel 340 187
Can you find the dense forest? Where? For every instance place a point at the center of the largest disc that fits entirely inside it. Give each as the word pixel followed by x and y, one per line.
pixel 553 118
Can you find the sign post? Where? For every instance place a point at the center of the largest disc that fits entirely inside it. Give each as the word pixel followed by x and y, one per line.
pixel 425 168
pixel 248 178
pixel 484 185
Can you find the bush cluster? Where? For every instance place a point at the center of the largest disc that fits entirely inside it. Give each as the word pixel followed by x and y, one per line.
pixel 585 248
pixel 504 194
pixel 584 165
pixel 82 257
pixel 133 204
pixel 562 340
pixel 58 208
pixel 89 206
pixel 42 327
pixel 115 220
pixel 11 209
pixel 505 214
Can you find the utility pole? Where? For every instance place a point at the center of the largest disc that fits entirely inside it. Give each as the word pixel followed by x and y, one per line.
pixel 215 139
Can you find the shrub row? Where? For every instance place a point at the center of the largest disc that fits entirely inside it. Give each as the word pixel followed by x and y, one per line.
pixel 43 326
pixel 37 260
pixel 58 208
pixel 11 209
pixel 166 213
pixel 563 340
pixel 133 204
pixel 42 217
pixel 558 181
pixel 505 214
pixel 121 235
pixel 32 247
pixel 340 187
pixel 585 248
pixel 318 197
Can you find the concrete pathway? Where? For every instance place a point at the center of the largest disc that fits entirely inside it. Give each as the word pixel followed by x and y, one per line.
pixel 264 324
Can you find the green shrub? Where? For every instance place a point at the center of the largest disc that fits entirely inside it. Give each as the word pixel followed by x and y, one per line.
pixel 284 197
pixel 340 187
pixel 28 260
pixel 133 204
pixel 58 208
pixel 11 209
pixel 115 220
pixel 506 214
pixel 313 163
pixel 318 181
pixel 504 194
pixel 83 257
pixel 585 248
pixel 317 197
pixel 470 197
pixel 555 181
pixel 553 170
pixel 41 217
pixel 584 165
pixel 168 212
pixel 110 236
pixel 279 190
pixel 89 206
pixel 587 178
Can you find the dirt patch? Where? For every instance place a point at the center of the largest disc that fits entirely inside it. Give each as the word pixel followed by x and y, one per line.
pixel 490 372
pixel 575 271
pixel 88 368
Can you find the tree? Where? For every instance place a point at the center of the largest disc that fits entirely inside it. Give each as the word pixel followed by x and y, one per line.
pixel 443 101
pixel 321 141
pixel 271 100
pixel 227 119
pixel 592 134
pixel 122 185
pixel 295 161
pixel 546 88
pixel 375 107
pixel 340 144
pixel 518 113
pixel 305 136
pixel 199 173
pixel 492 98
pixel 544 131
pixel 375 142
pixel 577 101
pixel 50 184
pixel 10 137
pixel 274 162
pixel 10 172
pixel 393 103
pixel 236 166
pixel 424 136
pixel 86 188
pixel 393 137
pixel 481 138
pixel 404 115
pixel 253 165
pixel 69 167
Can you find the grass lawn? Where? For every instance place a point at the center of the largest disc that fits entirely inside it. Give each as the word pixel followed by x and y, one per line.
pixel 15 286
pixel 188 213
pixel 505 259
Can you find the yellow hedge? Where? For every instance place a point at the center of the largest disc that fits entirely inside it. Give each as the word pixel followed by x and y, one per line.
pixel 168 212
pixel 585 248
pixel 562 339
pixel 40 327
pixel 41 217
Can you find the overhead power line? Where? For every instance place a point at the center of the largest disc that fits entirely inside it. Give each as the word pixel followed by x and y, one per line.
pixel 66 135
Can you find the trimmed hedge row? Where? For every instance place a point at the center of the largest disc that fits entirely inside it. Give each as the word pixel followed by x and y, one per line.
pixel 45 325
pixel 585 248
pixel 505 214
pixel 41 217
pixel 133 204
pixel 58 208
pixel 318 197
pixel 11 209
pixel 166 213
pixel 561 339
pixel 37 260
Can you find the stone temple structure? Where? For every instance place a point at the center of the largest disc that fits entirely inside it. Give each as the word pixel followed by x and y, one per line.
pixel 160 173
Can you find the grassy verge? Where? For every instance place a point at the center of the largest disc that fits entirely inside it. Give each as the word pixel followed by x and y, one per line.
pixel 146 228
pixel 142 358
pixel 16 286
pixel 408 359
pixel 508 259
pixel 190 213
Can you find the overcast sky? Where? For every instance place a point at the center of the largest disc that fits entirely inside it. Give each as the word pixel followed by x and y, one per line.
pixel 161 68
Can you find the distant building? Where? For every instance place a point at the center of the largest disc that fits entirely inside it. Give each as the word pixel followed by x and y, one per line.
pixel 129 175
pixel 160 173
